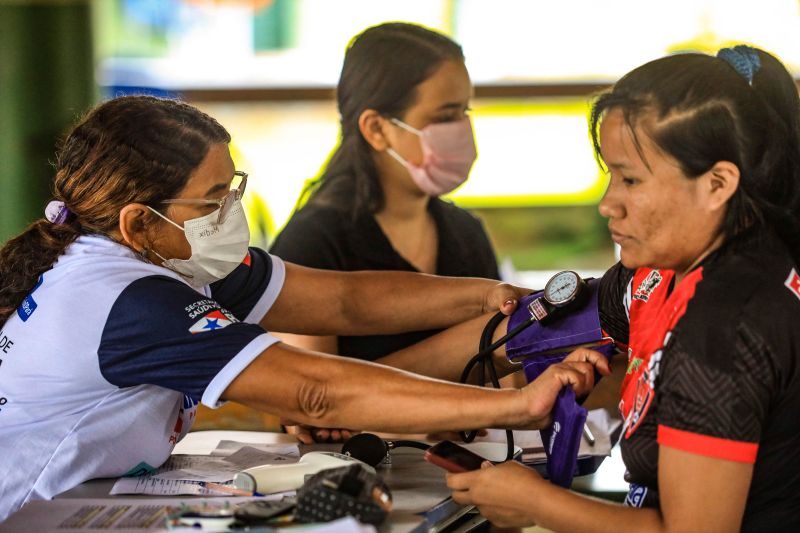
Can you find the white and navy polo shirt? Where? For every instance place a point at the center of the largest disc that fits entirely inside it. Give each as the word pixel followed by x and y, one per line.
pixel 103 364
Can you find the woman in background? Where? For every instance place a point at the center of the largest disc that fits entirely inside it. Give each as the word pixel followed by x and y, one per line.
pixel 406 139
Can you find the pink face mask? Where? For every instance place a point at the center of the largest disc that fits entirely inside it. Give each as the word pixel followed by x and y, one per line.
pixel 448 151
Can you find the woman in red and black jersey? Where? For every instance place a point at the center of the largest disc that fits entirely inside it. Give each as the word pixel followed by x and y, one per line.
pixel 703 155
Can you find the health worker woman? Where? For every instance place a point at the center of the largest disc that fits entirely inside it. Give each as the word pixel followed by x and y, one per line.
pixel 137 298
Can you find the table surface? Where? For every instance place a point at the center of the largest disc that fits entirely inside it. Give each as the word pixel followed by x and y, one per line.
pixel 416 485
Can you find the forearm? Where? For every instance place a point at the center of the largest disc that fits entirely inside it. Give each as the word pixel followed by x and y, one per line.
pixel 445 354
pixel 557 509
pixel 324 302
pixel 327 391
pixel 414 301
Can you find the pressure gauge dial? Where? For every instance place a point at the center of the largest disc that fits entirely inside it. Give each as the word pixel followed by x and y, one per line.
pixel 564 288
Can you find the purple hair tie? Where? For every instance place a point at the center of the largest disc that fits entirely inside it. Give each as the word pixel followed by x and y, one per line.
pixel 57 212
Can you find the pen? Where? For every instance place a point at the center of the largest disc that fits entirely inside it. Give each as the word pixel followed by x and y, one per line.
pixel 588 434
pixel 228 489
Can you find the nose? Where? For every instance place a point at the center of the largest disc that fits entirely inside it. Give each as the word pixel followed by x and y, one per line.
pixel 610 205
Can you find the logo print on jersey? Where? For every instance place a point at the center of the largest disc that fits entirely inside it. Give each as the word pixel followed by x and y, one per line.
pixel 636 495
pixel 645 391
pixel 793 282
pixel 212 321
pixel 647 286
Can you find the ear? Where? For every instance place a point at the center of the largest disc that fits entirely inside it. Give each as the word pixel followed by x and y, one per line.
pixel 371 124
pixel 722 183
pixel 132 227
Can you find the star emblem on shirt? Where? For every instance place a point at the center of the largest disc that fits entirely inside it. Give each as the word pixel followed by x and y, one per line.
pixel 212 324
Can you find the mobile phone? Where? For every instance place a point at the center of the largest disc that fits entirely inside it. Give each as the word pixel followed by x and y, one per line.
pixel 452 457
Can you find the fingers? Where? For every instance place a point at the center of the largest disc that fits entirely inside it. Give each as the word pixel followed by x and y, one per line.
pixel 321 434
pixel 462 481
pixel 302 434
pixel 598 360
pixel 504 297
pixel 462 497
pixel 578 374
pixel 330 435
pixel 508 306
pixel 542 392
pixel 309 435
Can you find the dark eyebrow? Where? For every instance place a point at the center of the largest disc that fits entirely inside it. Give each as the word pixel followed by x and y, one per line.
pixel 216 188
pixel 451 105
pixel 619 166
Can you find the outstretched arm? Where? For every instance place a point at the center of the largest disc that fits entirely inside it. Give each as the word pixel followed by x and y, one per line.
pixel 445 354
pixel 328 391
pixel 327 302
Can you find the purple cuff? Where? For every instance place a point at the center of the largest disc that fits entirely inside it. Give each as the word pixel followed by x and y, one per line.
pixel 562 439
pixel 578 326
pixel 534 366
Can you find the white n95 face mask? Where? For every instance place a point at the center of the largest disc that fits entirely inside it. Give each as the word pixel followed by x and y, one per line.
pixel 217 249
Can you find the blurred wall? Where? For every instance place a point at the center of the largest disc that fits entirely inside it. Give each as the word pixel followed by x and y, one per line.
pixel 46 82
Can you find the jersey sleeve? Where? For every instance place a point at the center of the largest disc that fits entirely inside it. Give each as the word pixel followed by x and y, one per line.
pixel 613 303
pixel 250 290
pixel 714 391
pixel 162 332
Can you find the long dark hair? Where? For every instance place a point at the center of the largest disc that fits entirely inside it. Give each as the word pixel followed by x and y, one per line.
pixel 705 112
pixel 129 149
pixel 382 68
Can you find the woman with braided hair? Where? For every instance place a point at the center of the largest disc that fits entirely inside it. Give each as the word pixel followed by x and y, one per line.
pixel 137 298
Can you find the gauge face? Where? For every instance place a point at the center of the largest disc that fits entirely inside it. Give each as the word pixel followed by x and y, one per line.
pixel 562 288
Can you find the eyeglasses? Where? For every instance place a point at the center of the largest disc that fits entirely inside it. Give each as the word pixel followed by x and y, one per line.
pixel 226 202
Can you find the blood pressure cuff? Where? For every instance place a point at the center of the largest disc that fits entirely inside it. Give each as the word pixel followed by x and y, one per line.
pixel 540 346
pixel 562 440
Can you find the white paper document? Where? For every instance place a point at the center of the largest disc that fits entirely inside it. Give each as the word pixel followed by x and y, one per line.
pixel 186 474
pixel 121 515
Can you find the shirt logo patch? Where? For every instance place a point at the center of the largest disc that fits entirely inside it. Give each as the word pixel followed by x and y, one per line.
pixel 647 286
pixel 212 321
pixel 793 282
pixel 29 305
